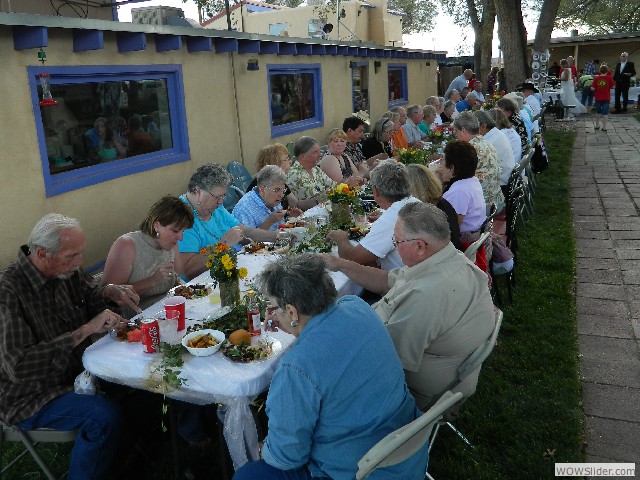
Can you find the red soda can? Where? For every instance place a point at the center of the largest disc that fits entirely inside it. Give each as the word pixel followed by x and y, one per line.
pixel 150 335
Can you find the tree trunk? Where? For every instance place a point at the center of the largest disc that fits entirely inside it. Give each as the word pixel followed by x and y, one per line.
pixel 483 30
pixel 513 41
pixel 544 29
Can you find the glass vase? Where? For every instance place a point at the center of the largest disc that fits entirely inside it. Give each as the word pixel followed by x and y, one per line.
pixel 340 214
pixel 229 292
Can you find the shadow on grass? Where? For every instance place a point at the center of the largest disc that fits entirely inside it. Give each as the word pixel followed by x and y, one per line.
pixel 527 412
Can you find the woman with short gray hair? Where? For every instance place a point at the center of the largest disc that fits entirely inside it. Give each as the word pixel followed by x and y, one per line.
pixel 306 179
pixel 448 112
pixel 320 402
pixel 390 186
pixel 212 222
pixel 261 207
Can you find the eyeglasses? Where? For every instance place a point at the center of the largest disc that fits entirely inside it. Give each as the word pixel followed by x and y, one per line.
pixel 398 242
pixel 277 191
pixel 215 197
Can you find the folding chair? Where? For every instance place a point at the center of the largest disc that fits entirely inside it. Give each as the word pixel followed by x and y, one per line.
pixel 469 367
pixel 30 438
pixel 403 443
pixel 471 250
pixel 233 195
pixel 241 176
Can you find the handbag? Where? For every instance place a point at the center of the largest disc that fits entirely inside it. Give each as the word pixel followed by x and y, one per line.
pixel 539 160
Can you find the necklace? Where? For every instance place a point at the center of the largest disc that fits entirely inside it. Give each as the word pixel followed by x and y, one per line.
pixel 203 223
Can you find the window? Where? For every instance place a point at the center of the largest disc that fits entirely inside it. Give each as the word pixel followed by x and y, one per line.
pixel 360 86
pixel 315 28
pixel 397 75
pixel 277 28
pixel 109 122
pixel 296 98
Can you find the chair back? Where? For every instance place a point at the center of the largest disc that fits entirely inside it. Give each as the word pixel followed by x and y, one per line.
pixel 403 443
pixel 233 195
pixel 241 176
pixel 472 249
pixel 480 354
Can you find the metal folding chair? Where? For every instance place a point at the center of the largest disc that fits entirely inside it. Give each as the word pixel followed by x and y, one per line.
pixel 30 438
pixel 403 443
pixel 469 367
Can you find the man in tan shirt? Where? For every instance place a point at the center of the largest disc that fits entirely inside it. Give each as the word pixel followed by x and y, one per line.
pixel 437 308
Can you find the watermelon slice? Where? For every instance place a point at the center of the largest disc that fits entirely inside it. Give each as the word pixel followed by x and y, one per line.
pixel 134 335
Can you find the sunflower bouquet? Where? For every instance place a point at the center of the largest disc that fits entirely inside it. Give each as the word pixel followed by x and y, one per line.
pixel 222 263
pixel 439 133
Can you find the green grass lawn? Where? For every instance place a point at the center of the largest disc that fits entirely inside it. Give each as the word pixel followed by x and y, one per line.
pixel 527 412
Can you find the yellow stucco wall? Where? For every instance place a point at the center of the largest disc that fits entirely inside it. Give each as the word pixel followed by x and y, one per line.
pixel 216 113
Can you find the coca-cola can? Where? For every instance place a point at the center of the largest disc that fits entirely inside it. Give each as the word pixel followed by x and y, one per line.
pixel 150 335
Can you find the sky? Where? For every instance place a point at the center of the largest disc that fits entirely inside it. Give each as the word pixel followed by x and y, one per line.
pixel 439 39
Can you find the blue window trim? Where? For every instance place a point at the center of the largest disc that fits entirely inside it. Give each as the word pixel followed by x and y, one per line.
pixel 315 122
pixel 94 174
pixel 405 90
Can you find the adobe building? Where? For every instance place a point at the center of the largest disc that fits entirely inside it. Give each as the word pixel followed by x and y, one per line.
pixel 189 95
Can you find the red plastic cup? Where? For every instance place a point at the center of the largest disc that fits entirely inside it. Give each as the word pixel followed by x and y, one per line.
pixel 176 303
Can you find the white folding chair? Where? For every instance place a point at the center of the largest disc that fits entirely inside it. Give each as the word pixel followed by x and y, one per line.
pixel 472 249
pixel 403 443
pixel 30 438
pixel 469 367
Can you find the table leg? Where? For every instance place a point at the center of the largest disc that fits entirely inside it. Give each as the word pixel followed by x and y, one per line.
pixel 175 442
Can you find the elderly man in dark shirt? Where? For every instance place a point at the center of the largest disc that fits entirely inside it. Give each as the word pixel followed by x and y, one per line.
pixel 49 308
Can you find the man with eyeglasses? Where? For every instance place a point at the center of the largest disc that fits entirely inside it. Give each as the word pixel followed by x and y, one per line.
pixel 622 76
pixel 437 308
pixel 261 207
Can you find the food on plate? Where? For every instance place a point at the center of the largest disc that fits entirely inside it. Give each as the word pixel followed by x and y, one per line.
pixel 232 320
pixel 128 332
pixel 203 341
pixel 292 224
pixel 356 233
pixel 240 337
pixel 259 247
pixel 192 291
pixel 247 353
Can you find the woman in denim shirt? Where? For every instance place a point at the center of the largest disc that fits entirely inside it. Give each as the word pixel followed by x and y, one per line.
pixel 340 388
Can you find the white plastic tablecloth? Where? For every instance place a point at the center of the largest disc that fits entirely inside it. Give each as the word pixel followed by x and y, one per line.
pixel 208 380
pixel 553 94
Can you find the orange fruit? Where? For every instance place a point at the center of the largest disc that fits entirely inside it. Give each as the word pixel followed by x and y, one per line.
pixel 240 337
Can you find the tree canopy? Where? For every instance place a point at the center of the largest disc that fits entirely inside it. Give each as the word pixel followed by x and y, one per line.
pixel 600 16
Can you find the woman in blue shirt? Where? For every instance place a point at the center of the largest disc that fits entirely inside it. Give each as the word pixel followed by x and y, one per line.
pixel 338 390
pixel 212 222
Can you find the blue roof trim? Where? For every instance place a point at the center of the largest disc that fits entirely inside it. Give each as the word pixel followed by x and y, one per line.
pixel 85 40
pixel 199 44
pixel 268 48
pixel 131 41
pixel 287 48
pixel 303 49
pixel 29 37
pixel 248 46
pixel 226 45
pixel 167 43
pixel 318 49
pixel 331 49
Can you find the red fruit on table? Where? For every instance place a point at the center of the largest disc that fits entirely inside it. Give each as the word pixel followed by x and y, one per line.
pixel 134 335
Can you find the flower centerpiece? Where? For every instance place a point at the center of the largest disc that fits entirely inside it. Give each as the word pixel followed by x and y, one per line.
pixel 222 263
pixel 343 198
pixel 490 100
pixel 412 155
pixel 439 134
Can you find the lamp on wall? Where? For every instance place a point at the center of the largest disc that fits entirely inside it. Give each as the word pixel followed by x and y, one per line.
pixel 252 65
pixel 376 65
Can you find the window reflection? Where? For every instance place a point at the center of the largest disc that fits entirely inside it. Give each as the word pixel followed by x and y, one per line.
pixel 99 122
pixel 292 97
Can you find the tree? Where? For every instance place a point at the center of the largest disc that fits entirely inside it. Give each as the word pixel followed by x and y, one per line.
pixel 480 15
pixel 418 14
pixel 600 16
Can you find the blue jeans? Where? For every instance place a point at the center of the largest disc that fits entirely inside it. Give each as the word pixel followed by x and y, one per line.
pixel 263 471
pixel 99 427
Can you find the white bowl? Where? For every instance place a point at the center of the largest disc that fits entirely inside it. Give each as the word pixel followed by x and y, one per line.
pixel 203 352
